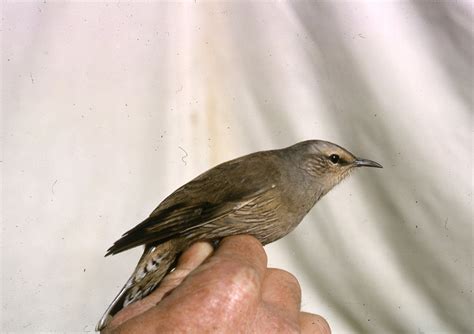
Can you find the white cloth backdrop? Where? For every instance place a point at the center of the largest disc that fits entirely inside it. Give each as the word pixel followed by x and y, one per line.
pixel 109 107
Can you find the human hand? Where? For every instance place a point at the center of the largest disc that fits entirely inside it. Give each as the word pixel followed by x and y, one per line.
pixel 231 291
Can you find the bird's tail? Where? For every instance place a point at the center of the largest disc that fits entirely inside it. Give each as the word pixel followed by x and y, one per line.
pixel 154 264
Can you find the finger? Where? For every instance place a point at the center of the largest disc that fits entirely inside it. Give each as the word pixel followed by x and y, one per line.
pixel 192 258
pixel 194 255
pixel 245 249
pixel 239 260
pixel 313 324
pixel 282 292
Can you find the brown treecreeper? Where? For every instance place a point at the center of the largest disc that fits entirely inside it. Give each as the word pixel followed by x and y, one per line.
pixel 264 194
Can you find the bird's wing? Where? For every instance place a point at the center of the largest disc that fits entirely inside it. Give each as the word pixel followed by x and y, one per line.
pixel 178 220
pixel 208 198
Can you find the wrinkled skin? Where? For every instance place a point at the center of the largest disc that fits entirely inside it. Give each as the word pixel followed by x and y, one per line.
pixel 229 290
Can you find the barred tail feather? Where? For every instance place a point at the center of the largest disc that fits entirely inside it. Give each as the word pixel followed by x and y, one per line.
pixel 154 264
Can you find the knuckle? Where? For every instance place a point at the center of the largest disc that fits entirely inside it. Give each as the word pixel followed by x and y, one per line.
pixel 245 245
pixel 286 279
pixel 290 279
pixel 241 280
pixel 232 296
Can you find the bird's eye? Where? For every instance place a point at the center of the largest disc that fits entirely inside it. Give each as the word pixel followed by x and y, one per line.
pixel 334 158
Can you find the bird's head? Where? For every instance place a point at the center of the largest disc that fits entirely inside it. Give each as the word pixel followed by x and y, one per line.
pixel 329 163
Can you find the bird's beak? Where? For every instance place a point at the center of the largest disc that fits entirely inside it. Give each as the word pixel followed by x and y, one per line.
pixel 367 163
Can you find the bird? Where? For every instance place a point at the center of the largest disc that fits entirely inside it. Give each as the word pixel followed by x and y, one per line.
pixel 265 194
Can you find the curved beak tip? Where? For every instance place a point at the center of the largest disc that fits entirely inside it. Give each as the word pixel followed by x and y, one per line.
pixel 367 163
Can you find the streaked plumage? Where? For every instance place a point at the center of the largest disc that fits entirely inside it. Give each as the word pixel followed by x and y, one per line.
pixel 264 194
